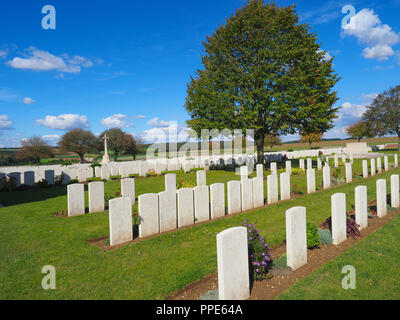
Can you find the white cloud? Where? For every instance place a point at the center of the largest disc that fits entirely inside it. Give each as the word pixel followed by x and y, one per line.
pixel 28 100
pixel 380 52
pixel 157 123
pixel 64 122
pixel 3 54
pixel 370 96
pixel 116 121
pixel 140 117
pixel 51 138
pixel 5 122
pixel 39 60
pixel 171 133
pixel 368 29
pixel 353 110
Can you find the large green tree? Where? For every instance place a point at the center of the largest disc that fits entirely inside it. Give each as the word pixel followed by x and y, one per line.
pixel 79 141
pixel 264 71
pixel 383 114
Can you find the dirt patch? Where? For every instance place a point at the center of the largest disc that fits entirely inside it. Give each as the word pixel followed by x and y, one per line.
pixel 269 289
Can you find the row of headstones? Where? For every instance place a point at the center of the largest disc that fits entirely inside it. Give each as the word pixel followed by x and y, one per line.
pixel 232 244
pixel 76 196
pixel 172 209
pixel 29 178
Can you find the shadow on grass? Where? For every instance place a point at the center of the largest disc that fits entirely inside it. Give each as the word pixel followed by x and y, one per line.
pixel 31 195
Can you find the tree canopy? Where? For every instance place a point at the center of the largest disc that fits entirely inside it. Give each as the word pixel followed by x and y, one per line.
pixel 120 142
pixel 264 71
pixel 383 114
pixel 310 137
pixel 34 149
pixel 79 141
pixel 360 130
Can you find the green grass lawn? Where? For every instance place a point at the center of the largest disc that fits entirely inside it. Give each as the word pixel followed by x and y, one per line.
pixel 376 259
pixel 32 237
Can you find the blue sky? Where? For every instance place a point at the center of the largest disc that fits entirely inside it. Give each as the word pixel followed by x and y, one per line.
pixel 127 63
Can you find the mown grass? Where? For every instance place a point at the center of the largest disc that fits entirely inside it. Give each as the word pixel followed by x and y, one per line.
pixel 375 258
pixel 32 237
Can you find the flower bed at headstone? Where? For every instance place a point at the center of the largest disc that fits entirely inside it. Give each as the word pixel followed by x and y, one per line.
pixel 260 258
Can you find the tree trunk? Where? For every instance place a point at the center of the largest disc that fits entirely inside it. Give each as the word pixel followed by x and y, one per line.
pixel 134 156
pixel 81 156
pixel 260 148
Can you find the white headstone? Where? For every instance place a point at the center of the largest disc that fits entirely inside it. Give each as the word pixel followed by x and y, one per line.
pixel 373 169
pixel 309 163
pixel 296 237
pixel 272 188
pixel 120 217
pixel 29 178
pixel 274 169
pixel 167 210
pixel 310 180
pixel 336 161
pixel 82 175
pixel 258 192
pixel 247 195
pixel 244 173
pixel 170 182
pixel 394 191
pixel 185 207
pixel 365 168
pixel 128 189
pixel 96 196
pixel 301 163
pixel 339 224
pixel 386 161
pixel 381 198
pixel 148 214
pixel 233 264
pixel 201 178
pixel 289 167
pixel 217 200
pixel 379 165
pixel 201 203
pixel 361 207
pixel 76 199
pixel 49 176
pixel 260 170
pixel 349 172
pixel 396 160
pixel 234 197
pixel 285 186
pixel 327 177
pixel 105 172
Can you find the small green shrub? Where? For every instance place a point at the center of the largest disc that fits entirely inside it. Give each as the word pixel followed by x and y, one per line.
pixel 93 179
pixel 115 177
pixel 313 240
pixel 297 171
pixel 42 183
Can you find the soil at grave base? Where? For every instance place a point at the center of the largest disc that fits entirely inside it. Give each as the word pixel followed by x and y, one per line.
pixel 269 289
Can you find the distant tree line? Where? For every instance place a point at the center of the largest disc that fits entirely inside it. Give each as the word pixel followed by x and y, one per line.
pixel 81 142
